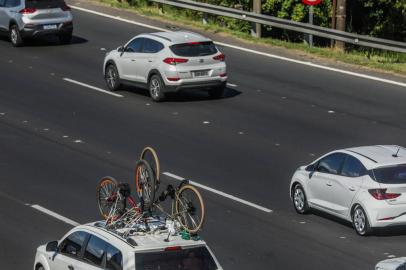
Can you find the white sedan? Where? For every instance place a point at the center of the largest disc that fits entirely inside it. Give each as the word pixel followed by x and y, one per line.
pixel 392 264
pixel 365 185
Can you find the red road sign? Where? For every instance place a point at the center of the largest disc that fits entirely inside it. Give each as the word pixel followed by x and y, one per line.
pixel 311 2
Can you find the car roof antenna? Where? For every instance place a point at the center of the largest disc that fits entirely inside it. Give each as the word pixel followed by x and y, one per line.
pixel 396 155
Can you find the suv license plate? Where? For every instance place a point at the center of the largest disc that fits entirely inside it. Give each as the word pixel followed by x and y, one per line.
pixel 201 73
pixel 50 27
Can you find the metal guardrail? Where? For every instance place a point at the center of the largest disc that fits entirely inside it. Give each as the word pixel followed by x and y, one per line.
pixel 300 27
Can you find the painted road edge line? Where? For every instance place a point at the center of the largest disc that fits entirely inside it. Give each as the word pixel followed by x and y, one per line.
pixel 92 87
pixel 355 74
pixel 55 215
pixel 221 193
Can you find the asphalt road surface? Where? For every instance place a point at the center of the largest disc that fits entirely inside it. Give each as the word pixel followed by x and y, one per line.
pixel 57 139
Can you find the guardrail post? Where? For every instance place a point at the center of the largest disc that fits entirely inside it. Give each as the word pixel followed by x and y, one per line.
pixel 256 27
pixel 205 18
pixel 160 8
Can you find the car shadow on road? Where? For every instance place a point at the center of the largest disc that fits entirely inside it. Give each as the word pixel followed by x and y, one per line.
pixel 185 95
pixel 378 232
pixel 47 41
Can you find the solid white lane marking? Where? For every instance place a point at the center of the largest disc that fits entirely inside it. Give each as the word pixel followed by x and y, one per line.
pixel 119 19
pixel 231 85
pixel 355 74
pixel 55 215
pixel 221 193
pixel 92 87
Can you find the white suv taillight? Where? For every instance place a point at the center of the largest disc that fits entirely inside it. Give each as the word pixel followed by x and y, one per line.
pixel 174 61
pixel 221 57
pixel 28 10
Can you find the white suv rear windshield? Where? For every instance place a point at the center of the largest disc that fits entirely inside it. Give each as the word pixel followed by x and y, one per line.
pixel 194 49
pixel 44 4
pixel 196 258
pixel 391 175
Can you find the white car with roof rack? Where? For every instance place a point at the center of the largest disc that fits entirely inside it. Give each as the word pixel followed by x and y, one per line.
pixel 166 62
pixel 92 247
pixel 365 185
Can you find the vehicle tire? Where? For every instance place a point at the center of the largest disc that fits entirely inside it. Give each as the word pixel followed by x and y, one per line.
pixel 189 207
pixel 145 184
pixel 15 36
pixel 65 38
pixel 40 268
pixel 105 194
pixel 360 221
pixel 299 200
pixel 156 88
pixel 112 77
pixel 149 154
pixel 217 92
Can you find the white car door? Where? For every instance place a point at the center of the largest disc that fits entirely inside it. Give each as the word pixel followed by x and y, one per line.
pixel 69 250
pixel 347 185
pixel 147 59
pixel 127 61
pixel 321 181
pixel 3 16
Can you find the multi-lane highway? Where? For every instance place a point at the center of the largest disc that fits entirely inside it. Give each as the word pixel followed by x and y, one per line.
pixel 58 138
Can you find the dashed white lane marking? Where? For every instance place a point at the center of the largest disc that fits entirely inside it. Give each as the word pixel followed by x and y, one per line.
pixel 331 111
pixel 93 87
pixel 65 136
pixel 78 141
pixel 221 193
pixel 55 215
pixel 391 256
pixel 206 122
pixel 240 132
pixel 306 63
pixel 45 129
pixel 2 113
pixel 231 85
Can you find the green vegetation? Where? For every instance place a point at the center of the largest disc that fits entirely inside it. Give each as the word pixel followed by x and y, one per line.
pixel 289 9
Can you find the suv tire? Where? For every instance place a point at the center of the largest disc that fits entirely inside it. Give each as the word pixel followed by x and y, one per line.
pixel 217 92
pixel 112 77
pixel 15 36
pixel 156 88
pixel 65 38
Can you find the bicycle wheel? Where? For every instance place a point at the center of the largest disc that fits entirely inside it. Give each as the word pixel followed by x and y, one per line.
pixel 107 198
pixel 189 208
pixel 150 155
pixel 145 183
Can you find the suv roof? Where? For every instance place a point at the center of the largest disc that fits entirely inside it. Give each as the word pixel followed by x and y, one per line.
pixel 180 36
pixel 141 242
pixel 379 155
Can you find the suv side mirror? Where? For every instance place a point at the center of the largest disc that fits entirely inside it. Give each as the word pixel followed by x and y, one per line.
pixel 52 246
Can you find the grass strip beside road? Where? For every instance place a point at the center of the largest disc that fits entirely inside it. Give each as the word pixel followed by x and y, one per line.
pixel 379 60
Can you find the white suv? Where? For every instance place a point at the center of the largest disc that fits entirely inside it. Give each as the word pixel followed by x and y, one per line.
pixel 91 247
pixel 365 185
pixel 167 62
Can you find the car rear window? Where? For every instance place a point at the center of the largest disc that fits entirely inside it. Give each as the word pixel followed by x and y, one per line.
pixel 197 258
pixel 44 4
pixel 391 175
pixel 194 49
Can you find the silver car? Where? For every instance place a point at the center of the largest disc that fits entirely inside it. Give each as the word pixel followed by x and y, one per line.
pixel 21 19
pixel 167 62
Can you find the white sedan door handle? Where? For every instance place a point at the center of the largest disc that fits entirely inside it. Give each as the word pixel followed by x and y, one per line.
pixel 329 184
pixel 352 188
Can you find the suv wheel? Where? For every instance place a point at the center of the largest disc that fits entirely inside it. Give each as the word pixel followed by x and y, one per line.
pixel 112 78
pixel 156 88
pixel 360 221
pixel 217 92
pixel 15 36
pixel 65 38
pixel 300 200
